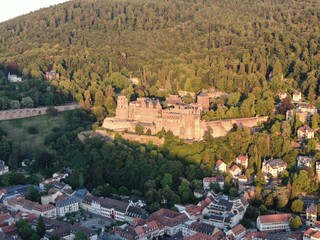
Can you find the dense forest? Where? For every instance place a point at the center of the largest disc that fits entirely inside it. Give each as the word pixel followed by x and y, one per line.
pixel 259 47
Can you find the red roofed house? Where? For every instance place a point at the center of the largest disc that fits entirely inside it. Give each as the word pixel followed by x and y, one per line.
pixel 237 232
pixel 274 222
pixel 242 160
pixel 219 179
pixel 311 234
pixel 221 166
pixel 171 220
pixel 235 171
pixel 305 132
pixel 202 236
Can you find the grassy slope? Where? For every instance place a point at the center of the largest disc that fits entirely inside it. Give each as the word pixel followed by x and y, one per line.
pixel 17 130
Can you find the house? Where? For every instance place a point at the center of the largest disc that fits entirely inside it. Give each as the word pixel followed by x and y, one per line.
pixel 242 179
pixel 282 95
pixel 135 212
pixel 192 227
pixel 273 166
pixel 304 161
pixel 202 236
pixel 219 179
pixel 303 111
pixel 274 222
pixel 312 234
pixel 296 96
pixel 113 208
pixel 237 232
pixel 311 215
pixel 242 160
pixel 3 168
pixel 51 197
pixel 14 78
pixel 142 230
pixel 52 75
pixel 305 132
pixel 235 171
pixel 171 220
pixel 21 204
pixel 65 206
pixel 223 211
pixel 221 166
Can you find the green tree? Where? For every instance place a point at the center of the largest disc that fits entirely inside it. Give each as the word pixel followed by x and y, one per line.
pixel 41 228
pixel 81 236
pixel 24 229
pixel 297 206
pixel 295 223
pixel 138 129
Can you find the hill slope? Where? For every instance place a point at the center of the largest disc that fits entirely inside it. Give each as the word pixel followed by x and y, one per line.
pixel 233 45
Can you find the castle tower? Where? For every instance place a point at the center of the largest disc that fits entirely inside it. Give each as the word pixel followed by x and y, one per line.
pixel 311 215
pixel 122 110
pixel 203 101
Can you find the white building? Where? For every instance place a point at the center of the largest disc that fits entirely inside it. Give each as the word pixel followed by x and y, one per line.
pixel 14 78
pixel 66 206
pixel 237 232
pixel 242 160
pixel 192 227
pixel 235 171
pixel 221 166
pixel 219 179
pixel 297 96
pixel 273 166
pixel 305 132
pixel 3 168
pixel 224 212
pixel 304 161
pixel 274 222
pixel 311 215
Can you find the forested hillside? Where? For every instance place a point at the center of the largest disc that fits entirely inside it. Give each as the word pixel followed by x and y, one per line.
pixel 245 46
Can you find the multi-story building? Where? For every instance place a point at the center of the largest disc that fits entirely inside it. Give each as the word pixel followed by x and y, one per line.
pixel 311 215
pixel 224 212
pixel 305 132
pixel 297 96
pixel 14 78
pixel 66 206
pixel 171 220
pixel 235 171
pixel 274 222
pixel 312 234
pixel 219 179
pixel 191 227
pixel 304 161
pixel 273 166
pixel 21 204
pixel 242 160
pixel 221 166
pixel 237 232
pixel 303 111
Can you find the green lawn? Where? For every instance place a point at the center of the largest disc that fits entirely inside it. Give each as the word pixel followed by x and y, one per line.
pixel 17 130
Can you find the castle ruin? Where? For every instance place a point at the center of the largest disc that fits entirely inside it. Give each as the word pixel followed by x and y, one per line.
pixel 184 120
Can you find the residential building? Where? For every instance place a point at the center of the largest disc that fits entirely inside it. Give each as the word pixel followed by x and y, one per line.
pixel 223 211
pixel 51 197
pixel 3 168
pixel 171 220
pixel 303 111
pixel 65 206
pixel 305 132
pixel 273 166
pixel 21 204
pixel 274 222
pixel 237 232
pixel 304 161
pixel 192 227
pixel 221 166
pixel 202 236
pixel 235 171
pixel 52 75
pixel 242 160
pixel 14 78
pixel 219 179
pixel 297 96
pixel 312 234
pixel 311 215
pixel 242 179
pixel 135 212
pixel 142 230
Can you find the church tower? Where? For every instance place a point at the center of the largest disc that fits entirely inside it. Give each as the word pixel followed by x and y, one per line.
pixel 311 215
pixel 122 108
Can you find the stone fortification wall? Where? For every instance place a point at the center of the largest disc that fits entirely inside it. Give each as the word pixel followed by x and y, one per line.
pixel 31 112
pixel 222 127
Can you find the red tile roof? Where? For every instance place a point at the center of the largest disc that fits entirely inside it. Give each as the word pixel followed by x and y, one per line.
pixel 237 230
pixel 284 217
pixel 219 162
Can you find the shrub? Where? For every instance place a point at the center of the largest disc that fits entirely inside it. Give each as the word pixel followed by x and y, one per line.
pixel 32 130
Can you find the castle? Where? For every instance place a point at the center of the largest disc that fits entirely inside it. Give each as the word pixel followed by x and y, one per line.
pixel 184 120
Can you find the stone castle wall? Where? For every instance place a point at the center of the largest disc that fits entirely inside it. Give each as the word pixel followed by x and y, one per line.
pixel 31 112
